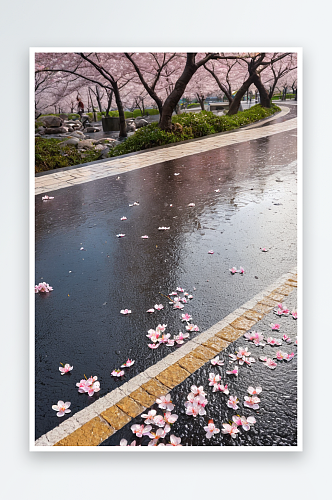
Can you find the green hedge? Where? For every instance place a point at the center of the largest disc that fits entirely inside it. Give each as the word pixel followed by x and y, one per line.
pixel 194 105
pixel 193 125
pixel 279 96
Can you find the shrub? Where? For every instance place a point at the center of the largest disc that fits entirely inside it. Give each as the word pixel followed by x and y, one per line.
pixel 193 125
pixel 194 105
pixel 49 155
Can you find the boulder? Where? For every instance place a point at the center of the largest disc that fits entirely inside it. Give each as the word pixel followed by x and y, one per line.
pixel 78 134
pixel 86 143
pixel 99 147
pixel 56 130
pixel 70 142
pixel 131 127
pixel 63 116
pixel 106 141
pixel 92 129
pixel 41 130
pixel 52 121
pixel 141 123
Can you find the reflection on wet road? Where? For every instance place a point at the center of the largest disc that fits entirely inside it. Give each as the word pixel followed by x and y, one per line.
pixel 245 198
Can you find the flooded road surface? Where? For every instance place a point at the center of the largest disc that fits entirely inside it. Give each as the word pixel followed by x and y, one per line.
pixel 245 198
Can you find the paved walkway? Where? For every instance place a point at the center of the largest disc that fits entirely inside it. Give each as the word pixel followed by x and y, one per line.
pixel 116 166
pixel 94 424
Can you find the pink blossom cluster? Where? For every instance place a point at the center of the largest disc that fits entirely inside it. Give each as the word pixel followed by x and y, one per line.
pixel 281 310
pixel 256 337
pixel 215 380
pixel 196 401
pixel 242 356
pixel 65 368
pixel 272 341
pixel 43 288
pixel 284 356
pixel 233 270
pixel 46 198
pixel 120 373
pixel 90 385
pixel 211 429
pixel 162 425
pixel 246 422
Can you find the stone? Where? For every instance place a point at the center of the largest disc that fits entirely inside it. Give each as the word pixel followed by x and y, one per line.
pixel 129 406
pixel 116 417
pixel 277 296
pixel 143 397
pixel 155 388
pixel 216 344
pixel 92 433
pixel 56 130
pixel 250 314
pixel 191 363
pixel 243 323
pixel 229 333
pixel 100 147
pixel 106 141
pixel 41 130
pixel 131 127
pixel 267 301
pixel 86 143
pixel 70 129
pixel 261 308
pixel 285 289
pixel 52 121
pixel 90 130
pixel 78 134
pixel 203 353
pixel 173 376
pixel 141 123
pixel 70 142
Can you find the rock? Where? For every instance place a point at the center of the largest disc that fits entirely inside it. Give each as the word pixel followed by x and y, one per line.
pixel 92 129
pixel 41 130
pixel 56 130
pixel 77 134
pixel 99 147
pixel 106 140
pixel 131 127
pixel 70 129
pixel 86 143
pixel 70 142
pixel 77 126
pixel 141 123
pixel 52 121
pixel 63 116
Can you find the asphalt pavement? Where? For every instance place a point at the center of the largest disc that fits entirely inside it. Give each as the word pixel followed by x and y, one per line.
pixel 245 198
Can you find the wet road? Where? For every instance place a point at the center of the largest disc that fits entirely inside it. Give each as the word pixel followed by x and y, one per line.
pixel 276 417
pixel 80 321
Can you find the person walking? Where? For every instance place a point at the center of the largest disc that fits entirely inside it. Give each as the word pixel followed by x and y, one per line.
pixel 80 106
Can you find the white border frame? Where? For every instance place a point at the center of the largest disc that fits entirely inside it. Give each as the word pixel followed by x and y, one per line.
pixel 31 294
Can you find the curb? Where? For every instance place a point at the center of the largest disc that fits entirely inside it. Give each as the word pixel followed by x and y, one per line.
pixel 103 418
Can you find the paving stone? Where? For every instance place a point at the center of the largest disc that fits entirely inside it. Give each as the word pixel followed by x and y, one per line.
pixel 216 344
pixel 90 434
pixel 292 283
pixel 129 406
pixel 285 289
pixel 191 363
pixel 243 323
pixel 116 417
pixel 277 296
pixel 143 397
pixel 268 301
pixel 204 353
pixel 261 308
pixel 229 333
pixel 42 441
pixel 250 314
pixel 173 376
pixel 156 388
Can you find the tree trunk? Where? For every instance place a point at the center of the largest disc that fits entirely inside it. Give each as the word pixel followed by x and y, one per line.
pixel 201 101
pixel 165 122
pixel 235 104
pixel 264 96
pixel 98 99
pixel 110 96
pixel 123 124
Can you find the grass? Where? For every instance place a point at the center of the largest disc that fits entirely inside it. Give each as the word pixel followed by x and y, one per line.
pixel 49 155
